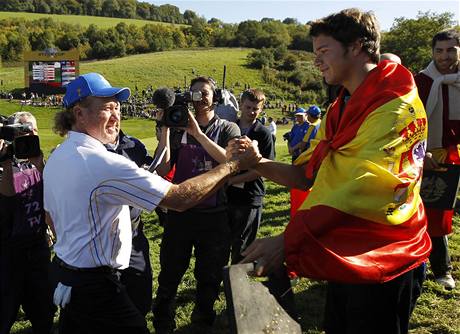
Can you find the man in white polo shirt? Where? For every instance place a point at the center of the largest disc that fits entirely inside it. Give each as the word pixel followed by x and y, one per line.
pixel 87 194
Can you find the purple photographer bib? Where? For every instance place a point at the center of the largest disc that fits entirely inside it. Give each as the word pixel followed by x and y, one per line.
pixel 193 160
pixel 29 217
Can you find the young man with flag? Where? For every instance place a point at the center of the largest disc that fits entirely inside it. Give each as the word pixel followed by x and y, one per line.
pixel 363 226
pixel 439 89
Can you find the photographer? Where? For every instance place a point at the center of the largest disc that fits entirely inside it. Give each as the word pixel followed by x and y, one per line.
pixel 25 255
pixel 205 227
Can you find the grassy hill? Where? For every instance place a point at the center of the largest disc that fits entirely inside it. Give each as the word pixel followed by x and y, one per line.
pixel 83 20
pixel 162 69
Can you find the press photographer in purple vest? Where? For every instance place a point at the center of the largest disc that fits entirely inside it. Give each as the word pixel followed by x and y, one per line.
pixel 204 228
pixel 87 193
pixel 24 250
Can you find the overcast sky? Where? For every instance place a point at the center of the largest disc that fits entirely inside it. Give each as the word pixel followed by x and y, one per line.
pixel 304 10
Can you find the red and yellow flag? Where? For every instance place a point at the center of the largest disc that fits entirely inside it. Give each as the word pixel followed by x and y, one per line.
pixel 364 221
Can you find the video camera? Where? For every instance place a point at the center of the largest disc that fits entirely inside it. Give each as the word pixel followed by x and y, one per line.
pixel 176 106
pixel 21 143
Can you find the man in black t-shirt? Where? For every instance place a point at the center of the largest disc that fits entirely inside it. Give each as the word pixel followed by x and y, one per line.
pixel 247 190
pixel 246 193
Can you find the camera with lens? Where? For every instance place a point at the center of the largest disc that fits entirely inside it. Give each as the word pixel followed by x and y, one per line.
pixel 177 114
pixel 175 105
pixel 21 143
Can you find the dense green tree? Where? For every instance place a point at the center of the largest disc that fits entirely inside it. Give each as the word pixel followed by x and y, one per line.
pixel 41 39
pixel 301 39
pixel 127 9
pixel 410 39
pixel 68 41
pixel 170 13
pixel 42 7
pixel 261 58
pixel 190 16
pixel 93 7
pixel 248 33
pixel 290 20
pixel 72 7
pixel 143 10
pixel 110 8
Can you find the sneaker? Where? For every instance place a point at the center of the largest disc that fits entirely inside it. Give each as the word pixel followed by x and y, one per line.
pixel 446 281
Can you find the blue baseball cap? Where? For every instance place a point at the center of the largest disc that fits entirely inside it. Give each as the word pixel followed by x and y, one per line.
pixel 300 111
pixel 92 84
pixel 314 111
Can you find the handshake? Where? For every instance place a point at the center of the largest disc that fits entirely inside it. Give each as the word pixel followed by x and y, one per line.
pixel 244 152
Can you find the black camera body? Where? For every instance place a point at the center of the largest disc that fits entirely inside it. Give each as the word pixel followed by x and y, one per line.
pixel 21 143
pixel 176 116
pixel 286 136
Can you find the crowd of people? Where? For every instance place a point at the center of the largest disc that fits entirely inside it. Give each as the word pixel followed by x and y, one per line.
pixel 357 218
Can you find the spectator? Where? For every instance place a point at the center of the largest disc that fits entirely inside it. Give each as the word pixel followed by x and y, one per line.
pixel 314 121
pixel 439 89
pixel 246 190
pixel 297 133
pixel 272 128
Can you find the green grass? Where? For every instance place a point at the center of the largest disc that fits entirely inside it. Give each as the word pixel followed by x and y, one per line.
pixel 83 20
pixel 437 312
pixel 168 68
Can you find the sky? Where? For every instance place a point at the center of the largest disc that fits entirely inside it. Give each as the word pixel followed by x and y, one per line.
pixel 306 10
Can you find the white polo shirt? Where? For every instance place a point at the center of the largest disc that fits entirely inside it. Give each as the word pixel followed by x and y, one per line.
pixel 87 191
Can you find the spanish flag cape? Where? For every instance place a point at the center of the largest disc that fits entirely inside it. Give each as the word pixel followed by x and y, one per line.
pixel 364 221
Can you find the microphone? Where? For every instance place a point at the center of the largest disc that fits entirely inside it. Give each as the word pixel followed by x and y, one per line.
pixel 163 98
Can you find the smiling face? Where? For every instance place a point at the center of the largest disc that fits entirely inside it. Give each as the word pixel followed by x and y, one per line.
pixel 332 59
pixel 446 55
pixel 206 103
pixel 99 117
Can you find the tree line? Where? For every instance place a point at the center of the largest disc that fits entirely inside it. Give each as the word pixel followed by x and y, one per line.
pixel 130 9
pixel 19 35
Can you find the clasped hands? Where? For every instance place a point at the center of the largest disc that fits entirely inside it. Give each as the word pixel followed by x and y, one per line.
pixel 243 150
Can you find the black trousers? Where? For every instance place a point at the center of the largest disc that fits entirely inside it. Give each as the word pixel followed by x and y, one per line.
pixel 24 280
pixel 208 236
pixel 244 224
pixel 371 308
pixel 138 277
pixel 99 303
pixel 439 256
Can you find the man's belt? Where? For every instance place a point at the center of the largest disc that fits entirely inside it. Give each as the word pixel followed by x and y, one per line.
pixel 101 270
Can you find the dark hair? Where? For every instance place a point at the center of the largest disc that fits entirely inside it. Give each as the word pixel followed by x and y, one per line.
pixel 445 35
pixel 351 25
pixel 206 80
pixel 253 95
